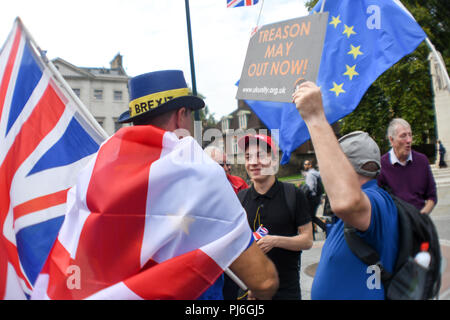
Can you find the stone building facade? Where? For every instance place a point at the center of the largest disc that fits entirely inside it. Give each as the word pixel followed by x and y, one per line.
pixel 104 91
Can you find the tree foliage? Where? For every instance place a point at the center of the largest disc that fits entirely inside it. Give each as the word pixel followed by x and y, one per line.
pixel 405 89
pixel 205 116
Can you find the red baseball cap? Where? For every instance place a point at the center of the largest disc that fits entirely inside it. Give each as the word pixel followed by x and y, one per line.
pixel 244 141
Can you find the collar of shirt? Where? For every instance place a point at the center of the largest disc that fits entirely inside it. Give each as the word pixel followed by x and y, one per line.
pixel 393 158
pixel 369 184
pixel 269 194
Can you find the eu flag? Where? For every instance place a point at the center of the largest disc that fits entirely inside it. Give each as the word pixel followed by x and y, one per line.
pixel 364 38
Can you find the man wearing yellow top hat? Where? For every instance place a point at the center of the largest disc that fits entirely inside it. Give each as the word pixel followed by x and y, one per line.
pixel 161 100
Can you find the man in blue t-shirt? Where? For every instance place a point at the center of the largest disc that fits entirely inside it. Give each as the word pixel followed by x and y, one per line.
pixel 348 169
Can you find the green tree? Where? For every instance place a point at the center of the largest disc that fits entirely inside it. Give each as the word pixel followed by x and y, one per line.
pixel 206 117
pixel 405 89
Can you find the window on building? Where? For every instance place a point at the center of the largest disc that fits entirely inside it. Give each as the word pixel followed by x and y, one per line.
pixel 100 120
pixel 243 116
pixel 225 124
pixel 235 145
pixel 77 91
pixel 98 94
pixel 117 125
pixel 117 95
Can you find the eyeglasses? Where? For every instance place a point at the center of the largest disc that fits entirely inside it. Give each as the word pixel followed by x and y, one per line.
pixel 225 164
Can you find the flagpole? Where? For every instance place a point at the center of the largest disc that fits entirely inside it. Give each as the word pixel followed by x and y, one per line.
pixel 84 111
pixel 259 15
pixel 323 5
pixel 191 56
pixel 236 279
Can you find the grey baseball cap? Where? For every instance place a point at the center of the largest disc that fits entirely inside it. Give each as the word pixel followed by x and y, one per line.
pixel 360 149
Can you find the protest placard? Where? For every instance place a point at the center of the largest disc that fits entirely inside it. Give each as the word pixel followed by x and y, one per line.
pixel 280 55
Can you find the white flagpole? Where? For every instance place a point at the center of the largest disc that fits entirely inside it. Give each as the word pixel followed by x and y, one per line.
pixel 236 279
pixel 323 5
pixel 259 15
pixel 83 110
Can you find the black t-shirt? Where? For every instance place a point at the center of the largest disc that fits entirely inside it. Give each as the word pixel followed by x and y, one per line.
pixel 272 212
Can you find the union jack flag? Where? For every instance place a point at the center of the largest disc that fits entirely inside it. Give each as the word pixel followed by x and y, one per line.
pixel 45 139
pixel 240 3
pixel 150 217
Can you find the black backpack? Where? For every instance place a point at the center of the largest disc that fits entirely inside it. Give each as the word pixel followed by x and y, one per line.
pixel 289 194
pixel 314 200
pixel 409 281
pixel 320 188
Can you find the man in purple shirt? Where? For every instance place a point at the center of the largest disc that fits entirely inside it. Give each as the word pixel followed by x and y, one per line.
pixel 405 171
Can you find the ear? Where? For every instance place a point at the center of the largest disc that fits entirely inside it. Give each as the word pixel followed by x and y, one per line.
pixel 391 140
pixel 180 117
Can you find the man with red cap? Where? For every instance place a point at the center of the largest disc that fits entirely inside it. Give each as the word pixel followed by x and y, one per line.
pixel 268 205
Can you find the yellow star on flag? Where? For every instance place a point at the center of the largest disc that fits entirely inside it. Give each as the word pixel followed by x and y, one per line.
pixel 337 88
pixel 351 72
pixel 348 31
pixel 355 51
pixel 335 21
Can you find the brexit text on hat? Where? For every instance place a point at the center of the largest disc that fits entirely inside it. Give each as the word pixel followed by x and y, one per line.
pixel 151 101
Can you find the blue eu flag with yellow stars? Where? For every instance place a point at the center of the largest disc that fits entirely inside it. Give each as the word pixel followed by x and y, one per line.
pixel 364 38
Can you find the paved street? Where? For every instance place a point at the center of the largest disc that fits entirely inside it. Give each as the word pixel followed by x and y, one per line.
pixel 441 218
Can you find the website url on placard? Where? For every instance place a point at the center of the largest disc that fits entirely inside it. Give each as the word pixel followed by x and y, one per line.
pixel 265 90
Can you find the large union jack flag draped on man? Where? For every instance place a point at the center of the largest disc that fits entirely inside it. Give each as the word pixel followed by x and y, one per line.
pixel 129 232
pixel 45 139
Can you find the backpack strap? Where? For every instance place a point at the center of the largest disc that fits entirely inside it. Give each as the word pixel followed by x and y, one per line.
pixel 319 188
pixel 242 195
pixel 319 222
pixel 291 199
pixel 365 252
